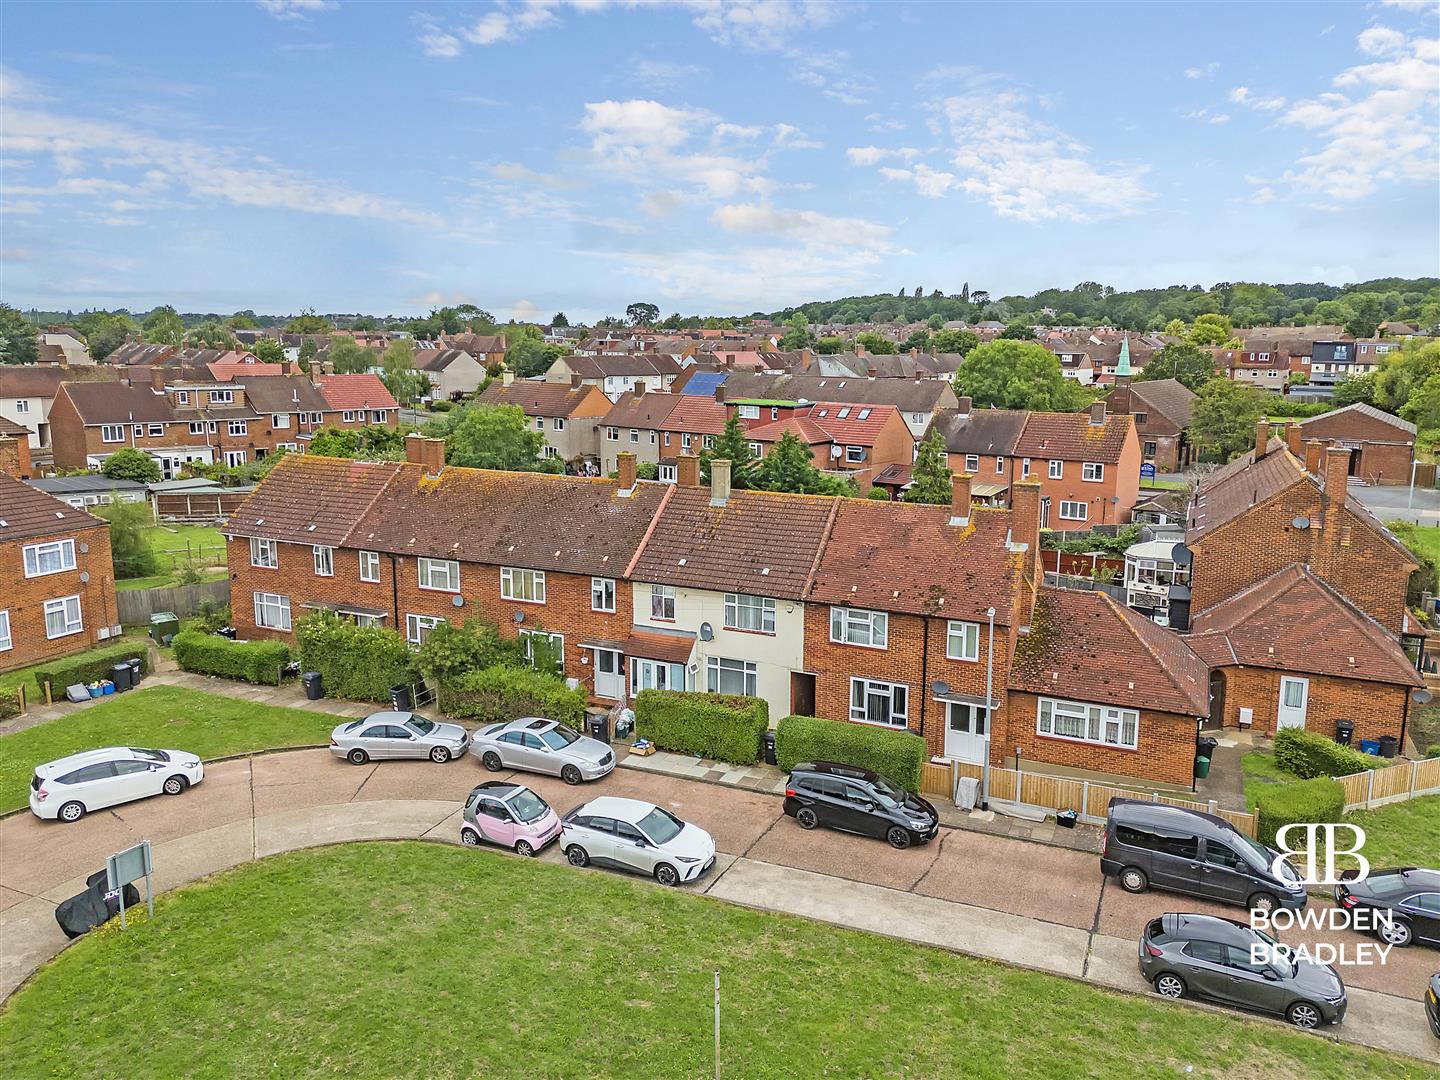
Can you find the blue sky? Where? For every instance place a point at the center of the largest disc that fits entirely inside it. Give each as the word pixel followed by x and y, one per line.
pixel 714 156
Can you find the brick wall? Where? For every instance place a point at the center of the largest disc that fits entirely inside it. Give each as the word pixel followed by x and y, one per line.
pixel 1375 708
pixel 1385 463
pixel 15 457
pixel 24 598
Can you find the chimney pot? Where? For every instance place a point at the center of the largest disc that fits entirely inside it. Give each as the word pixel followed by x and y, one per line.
pixel 1097 413
pixel 960 499
pixel 426 452
pixel 627 470
pixel 719 481
pixel 1262 437
pixel 687 471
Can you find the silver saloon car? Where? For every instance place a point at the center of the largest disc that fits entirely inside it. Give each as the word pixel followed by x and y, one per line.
pixel 538 745
pixel 385 735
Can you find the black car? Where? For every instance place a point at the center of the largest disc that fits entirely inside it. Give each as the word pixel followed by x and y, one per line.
pixel 1432 1004
pixel 1410 895
pixel 860 801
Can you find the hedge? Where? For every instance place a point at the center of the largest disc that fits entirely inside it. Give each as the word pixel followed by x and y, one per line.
pixel 1319 800
pixel 1309 754
pixel 9 703
pixel 895 755
pixel 500 694
pixel 360 663
pixel 718 726
pixel 211 654
pixel 91 666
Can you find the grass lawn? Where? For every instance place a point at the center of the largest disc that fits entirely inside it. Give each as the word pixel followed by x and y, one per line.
pixel 1260 771
pixel 1423 540
pixel 163 716
pixel 11 679
pixel 411 959
pixel 1425 726
pixel 161 580
pixel 1164 485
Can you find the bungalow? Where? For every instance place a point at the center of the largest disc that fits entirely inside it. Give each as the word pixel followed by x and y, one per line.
pixel 1381 445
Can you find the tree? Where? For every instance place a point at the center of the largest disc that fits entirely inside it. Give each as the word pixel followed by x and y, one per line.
pixel 1333 312
pixel 797 333
pixel 559 319
pixel 492 437
pixel 954 341
pixel 789 466
pixel 349 357
pixel 1222 421
pixel 1402 370
pixel 268 351
pixel 307 322
pixel 935 322
pixel 308 352
pixel 641 314
pixel 18 341
pixel 1355 389
pixel 873 342
pixel 1176 328
pixel 920 339
pixel 1187 363
pixel 732 444
pixel 242 320
pixel 334 442
pixel 163 326
pixel 829 346
pixel 1017 375
pixel 527 356
pixel 1018 331
pixel 1423 408
pixel 210 335
pixel 1211 330
pixel 930 478
pixel 1365 316
pixel 398 372
pixel 365 322
pixel 130 550
pixel 132 464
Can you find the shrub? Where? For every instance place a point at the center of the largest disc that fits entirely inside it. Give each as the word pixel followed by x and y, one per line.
pixel 1317 800
pixel 91 666
pixel 211 654
pixel 451 651
pixel 709 725
pixel 1309 754
pixel 895 755
pixel 441 406
pixel 9 703
pixel 499 694
pixel 360 663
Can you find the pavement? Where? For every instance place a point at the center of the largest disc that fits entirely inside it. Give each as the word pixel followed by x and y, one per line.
pixel 999 897
pixel 1395 503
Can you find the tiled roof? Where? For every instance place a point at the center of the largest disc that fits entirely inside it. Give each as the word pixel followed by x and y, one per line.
pixel 330 494
pixel 1229 492
pixel 477 343
pixel 853 425
pixel 1085 646
pixel 26 513
pixel 537 398
pixel 119 403
pixel 1359 409
pixel 647 410
pixel 1072 437
pixel 1293 621
pixel 598 367
pixel 221 372
pixel 672 648
pixel 18 382
pixel 986 432
pixel 10 428
pixel 292 393
pixel 437 359
pixel 696 415
pixel 908 395
pixel 1170 398
pixel 799 424
pixel 907 557
pixel 760 542
pixel 356 392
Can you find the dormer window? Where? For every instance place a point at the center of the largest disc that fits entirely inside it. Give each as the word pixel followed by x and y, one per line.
pixel 222 397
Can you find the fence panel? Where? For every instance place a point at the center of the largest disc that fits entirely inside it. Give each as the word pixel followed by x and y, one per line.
pixel 1355 785
pixel 1427 775
pixel 1392 782
pixel 1244 822
pixel 137 605
pixel 1052 792
pixel 935 779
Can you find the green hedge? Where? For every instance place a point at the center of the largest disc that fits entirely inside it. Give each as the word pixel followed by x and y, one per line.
pixel 1309 754
pixel 90 667
pixel 895 755
pixel 1317 800
pixel 9 703
pixel 359 663
pixel 211 654
pixel 718 726
pixel 500 694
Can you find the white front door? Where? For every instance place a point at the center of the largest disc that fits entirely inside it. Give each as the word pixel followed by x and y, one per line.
pixel 609 674
pixel 1294 697
pixel 965 729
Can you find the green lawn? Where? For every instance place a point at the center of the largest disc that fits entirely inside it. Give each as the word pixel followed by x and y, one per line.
pixel 424 960
pixel 11 679
pixel 163 716
pixel 1425 726
pixel 1423 540
pixel 198 544
pixel 1164 485
pixel 1260 770
pixel 162 580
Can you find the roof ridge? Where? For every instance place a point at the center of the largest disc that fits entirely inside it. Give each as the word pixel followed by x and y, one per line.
pixel 1125 614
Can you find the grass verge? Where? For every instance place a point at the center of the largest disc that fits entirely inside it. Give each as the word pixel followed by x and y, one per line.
pixel 11 679
pixel 409 959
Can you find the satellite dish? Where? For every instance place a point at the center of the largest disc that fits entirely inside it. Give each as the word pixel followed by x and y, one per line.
pixel 1422 697
pixel 519 616
pixel 835 451
pixel 940 688
pixel 1301 522
pixel 1180 555
pixel 84 576
pixel 707 632
pixel 459 601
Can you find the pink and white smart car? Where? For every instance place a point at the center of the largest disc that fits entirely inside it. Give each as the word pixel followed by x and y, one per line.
pixel 510 815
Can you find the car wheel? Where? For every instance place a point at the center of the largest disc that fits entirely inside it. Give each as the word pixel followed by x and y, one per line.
pixel 1262 901
pixel 577 855
pixel 899 837
pixel 1396 932
pixel 491 760
pixel 439 755
pixel 469 837
pixel 523 849
pixel 1303 1015
pixel 1169 985
pixel 1133 879
pixel 71 812
pixel 174 785
pixel 667 875
pixel 571 775
pixel 357 757
pixel 805 818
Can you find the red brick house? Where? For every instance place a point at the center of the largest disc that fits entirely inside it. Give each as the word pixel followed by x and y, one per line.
pixel 15 450
pixel 861 440
pixel 1088 465
pixel 1382 446
pixel 1161 410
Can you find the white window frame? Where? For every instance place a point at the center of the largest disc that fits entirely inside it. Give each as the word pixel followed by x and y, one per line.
pixel 22 405
pixel 539 423
pixel 999 466
pixel 222 397
pixel 347 416
pixel 962 641
pixel 874 625
pixel 197 427
pixel 557 640
pixel 602 594
pixel 112 433
pixel 324 560
pixel 740 608
pixel 264 553
pixel 155 431
pixel 972 463
pixel 37 555
pixel 1102 725
pixel 667 472
pixel 369 566
pixel 418 626
pixel 747 670
pixel 521 585
pixel 6 641
pixel 1068 508
pixel 646 674
pixel 1057 469
pixel 612 434
pixel 558 423
pixel 280 420
pixel 63 605
pixel 272 606
pixel 634 435
pixel 429 570
pixel 235 458
pixel 685 442
pixel 854 455
pixel 748 412
pixel 756 450
pixel 1092 472
pixel 138 430
pixel 237 428
pixel 662 598
pixel 867 687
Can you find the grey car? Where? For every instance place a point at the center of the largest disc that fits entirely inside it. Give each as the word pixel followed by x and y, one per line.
pixel 538 745
pixel 385 735
pixel 1210 957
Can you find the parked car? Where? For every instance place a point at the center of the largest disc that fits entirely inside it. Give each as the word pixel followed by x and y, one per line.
pixel 1186 851
pixel 510 815
pixel 1432 1004
pixel 71 787
pixel 385 735
pixel 860 801
pixel 627 834
pixel 1410 895
pixel 1210 957
pixel 545 746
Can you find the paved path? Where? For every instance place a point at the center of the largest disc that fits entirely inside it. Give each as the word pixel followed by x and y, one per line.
pixel 1045 908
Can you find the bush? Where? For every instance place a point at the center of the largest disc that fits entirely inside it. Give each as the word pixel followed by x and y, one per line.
pixel 709 725
pixel 500 694
pixel 360 663
pixel 1317 800
pixel 450 652
pixel 211 654
pixel 441 406
pixel 1309 754
pixel 895 755
pixel 91 666
pixel 9 703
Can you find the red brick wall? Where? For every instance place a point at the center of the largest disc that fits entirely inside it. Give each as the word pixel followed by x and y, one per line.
pixel 1375 708
pixel 1385 463
pixel 25 597
pixel 15 457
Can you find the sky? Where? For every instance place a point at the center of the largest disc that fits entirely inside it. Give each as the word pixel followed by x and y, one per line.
pixel 713 156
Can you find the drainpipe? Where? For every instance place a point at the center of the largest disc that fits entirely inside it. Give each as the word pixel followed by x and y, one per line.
pixel 395 596
pixel 989 712
pixel 924 669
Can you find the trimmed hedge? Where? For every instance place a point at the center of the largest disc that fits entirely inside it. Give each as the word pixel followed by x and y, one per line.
pixel 717 726
pixel 211 654
pixel 500 694
pixel 895 755
pixel 359 663
pixel 1309 754
pixel 1319 800
pixel 90 667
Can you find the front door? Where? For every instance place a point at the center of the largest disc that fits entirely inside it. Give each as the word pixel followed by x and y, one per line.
pixel 1294 699
pixel 609 674
pixel 802 694
pixel 1216 719
pixel 965 727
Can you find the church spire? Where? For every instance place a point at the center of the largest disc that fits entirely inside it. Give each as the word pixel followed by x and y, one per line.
pixel 1123 367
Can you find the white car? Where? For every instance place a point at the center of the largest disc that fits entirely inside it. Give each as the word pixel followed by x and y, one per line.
pixel 628 834
pixel 71 787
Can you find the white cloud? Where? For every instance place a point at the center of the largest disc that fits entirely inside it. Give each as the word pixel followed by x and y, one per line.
pixel 873 155
pixel 662 204
pixel 932 183
pixel 748 278
pixel 808 228
pixel 760 24
pixel 1263 195
pixel 16 87
pixel 790 137
pixel 517 173
pixel 1242 95
pixel 645 141
pixel 524 311
pixel 738 131
pixel 1204 71
pixel 507 21
pixel 1381 41
pixel 663 72
pixel 294 10
pixel 1207 116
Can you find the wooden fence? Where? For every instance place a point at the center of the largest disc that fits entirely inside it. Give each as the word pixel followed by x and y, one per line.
pixel 135 606
pixel 1376 787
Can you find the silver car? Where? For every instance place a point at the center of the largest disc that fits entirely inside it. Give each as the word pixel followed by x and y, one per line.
pixel 384 735
pixel 538 745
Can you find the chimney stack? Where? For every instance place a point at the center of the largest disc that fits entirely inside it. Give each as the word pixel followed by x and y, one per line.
pixel 719 481
pixel 627 470
pixel 576 381
pixel 1025 526
pixel 1337 485
pixel 1294 441
pixel 964 406
pixel 157 378
pixel 914 351
pixel 960 499
pixel 1314 452
pixel 720 394
pixel 1262 437
pixel 428 453
pixel 859 349
pixel 687 471
pixel 640 388
pixel 1097 413
pixel 507 377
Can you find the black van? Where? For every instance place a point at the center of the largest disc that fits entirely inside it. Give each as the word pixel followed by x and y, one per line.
pixel 1186 851
pixel 859 801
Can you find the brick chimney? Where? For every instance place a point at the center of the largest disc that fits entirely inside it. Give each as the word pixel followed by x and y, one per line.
pixel 720 394
pixel 1262 437
pixel 960 499
pixel 429 453
pixel 1097 413
pixel 719 481
pixel 687 471
pixel 1294 441
pixel 1337 484
pixel 627 470
pixel 872 371
pixel 859 349
pixel 507 377
pixel 1314 453
pixel 576 381
pixel 914 351
pixel 640 388
pixel 1025 526
pixel 157 378
pixel 964 405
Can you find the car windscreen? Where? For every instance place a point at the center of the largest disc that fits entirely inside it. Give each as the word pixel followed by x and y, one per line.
pixel 1260 857
pixel 890 795
pixel 1388 885
pixel 353 725
pixel 527 806
pixel 150 755
pixel 559 737
pixel 660 825
pixel 419 724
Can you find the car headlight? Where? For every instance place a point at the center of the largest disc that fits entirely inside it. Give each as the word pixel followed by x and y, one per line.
pixel 685 859
pixel 191 764
pixel 1336 1000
